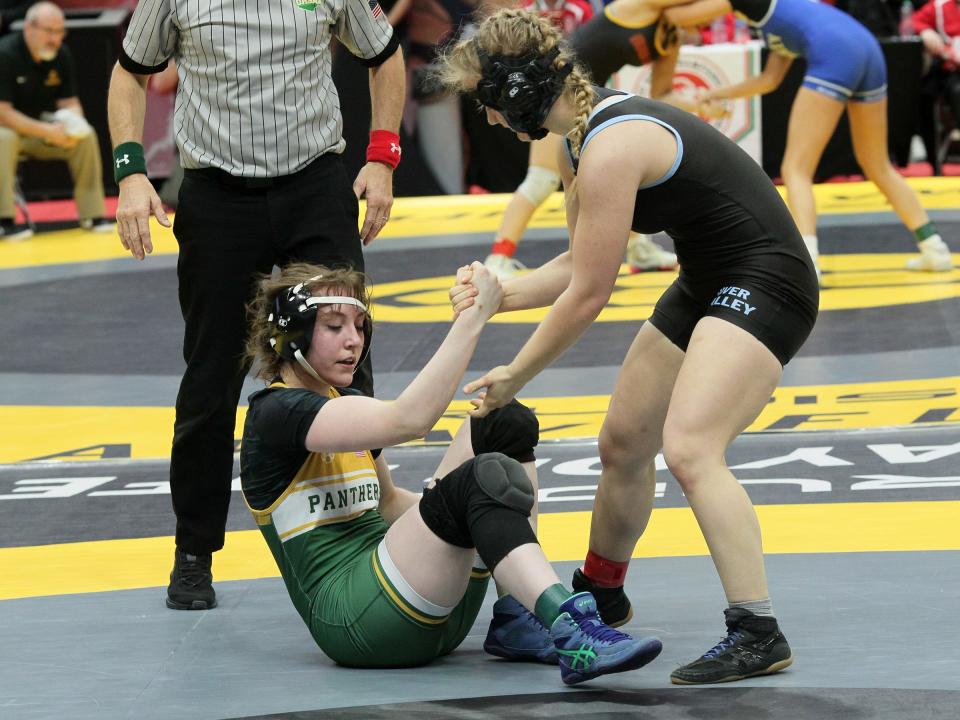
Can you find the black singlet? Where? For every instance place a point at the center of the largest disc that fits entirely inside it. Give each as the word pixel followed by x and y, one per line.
pixel 604 46
pixel 721 210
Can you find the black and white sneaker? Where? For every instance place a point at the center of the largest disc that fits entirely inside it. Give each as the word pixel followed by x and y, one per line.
pixel 753 646
pixel 612 603
pixel 99 225
pixel 10 230
pixel 191 583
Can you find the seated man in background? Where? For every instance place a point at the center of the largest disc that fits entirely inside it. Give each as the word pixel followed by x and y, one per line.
pixel 41 118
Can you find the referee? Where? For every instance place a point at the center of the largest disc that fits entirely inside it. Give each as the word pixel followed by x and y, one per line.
pixel 259 129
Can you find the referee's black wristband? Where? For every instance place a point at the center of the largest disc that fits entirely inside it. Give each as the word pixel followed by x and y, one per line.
pixel 128 160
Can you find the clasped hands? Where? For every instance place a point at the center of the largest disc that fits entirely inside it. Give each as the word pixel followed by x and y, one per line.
pixel 472 288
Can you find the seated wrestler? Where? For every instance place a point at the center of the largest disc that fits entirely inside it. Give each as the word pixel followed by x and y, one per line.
pixel 382 576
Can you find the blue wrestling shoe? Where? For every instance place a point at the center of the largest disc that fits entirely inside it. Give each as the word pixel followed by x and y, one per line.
pixel 517 634
pixel 588 648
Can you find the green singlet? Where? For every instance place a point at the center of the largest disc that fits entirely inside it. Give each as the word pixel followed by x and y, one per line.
pixel 318 513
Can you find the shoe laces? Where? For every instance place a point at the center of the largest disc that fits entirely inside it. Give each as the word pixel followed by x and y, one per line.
pixel 536 622
pixel 594 628
pixel 526 617
pixel 194 572
pixel 728 642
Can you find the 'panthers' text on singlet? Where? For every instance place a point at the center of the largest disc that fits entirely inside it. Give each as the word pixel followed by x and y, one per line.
pixel 315 510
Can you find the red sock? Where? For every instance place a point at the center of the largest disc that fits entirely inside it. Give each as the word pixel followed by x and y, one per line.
pixel 604 573
pixel 504 246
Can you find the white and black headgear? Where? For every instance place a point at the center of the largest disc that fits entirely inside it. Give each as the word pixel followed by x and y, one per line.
pixel 521 88
pixel 294 315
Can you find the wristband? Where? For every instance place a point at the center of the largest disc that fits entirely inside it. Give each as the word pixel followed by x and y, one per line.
pixel 128 160
pixel 384 147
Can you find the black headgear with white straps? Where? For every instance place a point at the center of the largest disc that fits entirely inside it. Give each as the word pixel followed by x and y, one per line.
pixel 294 316
pixel 521 88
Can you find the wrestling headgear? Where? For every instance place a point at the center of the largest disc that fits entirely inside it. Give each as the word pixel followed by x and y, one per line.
pixel 294 315
pixel 522 89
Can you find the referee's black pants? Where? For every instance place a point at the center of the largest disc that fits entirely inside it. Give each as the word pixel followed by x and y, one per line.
pixel 229 229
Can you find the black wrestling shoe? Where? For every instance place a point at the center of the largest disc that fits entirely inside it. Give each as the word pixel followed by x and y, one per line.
pixel 191 583
pixel 612 603
pixel 753 646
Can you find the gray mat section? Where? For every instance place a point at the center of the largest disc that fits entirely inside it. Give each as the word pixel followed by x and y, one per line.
pixel 129 323
pixel 853 622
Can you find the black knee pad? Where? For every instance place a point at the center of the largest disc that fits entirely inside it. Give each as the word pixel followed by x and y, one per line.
pixel 485 504
pixel 444 506
pixel 504 481
pixel 512 430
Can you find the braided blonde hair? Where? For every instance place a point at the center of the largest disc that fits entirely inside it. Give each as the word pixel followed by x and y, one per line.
pixel 516 33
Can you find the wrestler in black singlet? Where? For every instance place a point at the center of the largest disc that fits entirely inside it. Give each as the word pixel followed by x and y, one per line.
pixel 604 46
pixel 741 255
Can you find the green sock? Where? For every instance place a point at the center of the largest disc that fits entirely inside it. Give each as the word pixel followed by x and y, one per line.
pixel 925 231
pixel 549 602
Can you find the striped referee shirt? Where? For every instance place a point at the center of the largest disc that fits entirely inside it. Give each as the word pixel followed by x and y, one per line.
pixel 255 96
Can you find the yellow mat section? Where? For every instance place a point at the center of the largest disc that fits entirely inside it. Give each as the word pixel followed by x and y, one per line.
pixel 452 214
pixel 30 432
pixel 673 532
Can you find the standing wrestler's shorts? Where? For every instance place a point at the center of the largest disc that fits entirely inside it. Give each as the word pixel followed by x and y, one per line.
pixel 368 616
pixel 782 326
pixel 851 71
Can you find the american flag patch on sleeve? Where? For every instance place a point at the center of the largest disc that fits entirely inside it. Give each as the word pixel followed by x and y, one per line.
pixel 375 8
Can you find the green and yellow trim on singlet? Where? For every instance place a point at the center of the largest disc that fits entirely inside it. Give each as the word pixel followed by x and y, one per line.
pixel 403 597
pixel 407 600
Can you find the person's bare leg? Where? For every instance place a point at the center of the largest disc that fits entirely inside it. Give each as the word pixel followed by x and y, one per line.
pixel 629 441
pixel 439 571
pixel 868 131
pixel 727 378
pixel 563 629
pixel 868 128
pixel 813 118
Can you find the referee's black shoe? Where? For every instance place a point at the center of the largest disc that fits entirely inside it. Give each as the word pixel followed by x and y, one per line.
pixel 753 646
pixel 612 603
pixel 191 583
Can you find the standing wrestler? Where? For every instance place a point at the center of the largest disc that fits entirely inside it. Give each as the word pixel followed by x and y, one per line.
pixel 259 131
pixel 382 577
pixel 705 365
pixel 845 71
pixel 627 32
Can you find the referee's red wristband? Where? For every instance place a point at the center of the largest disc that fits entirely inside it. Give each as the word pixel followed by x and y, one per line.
pixel 384 147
